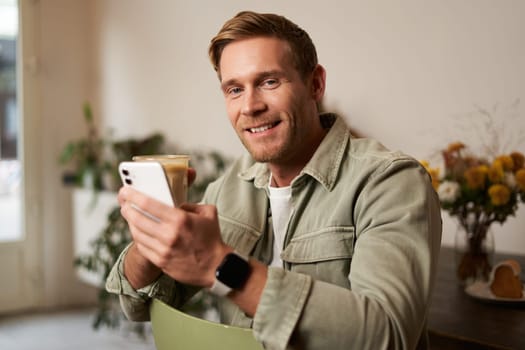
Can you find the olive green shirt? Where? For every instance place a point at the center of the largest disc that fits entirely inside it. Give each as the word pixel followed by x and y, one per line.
pixel 360 251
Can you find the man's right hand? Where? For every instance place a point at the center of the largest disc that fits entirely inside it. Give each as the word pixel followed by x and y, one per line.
pixel 138 270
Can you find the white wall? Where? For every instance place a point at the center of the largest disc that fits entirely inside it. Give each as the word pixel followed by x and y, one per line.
pixel 404 72
pixel 409 73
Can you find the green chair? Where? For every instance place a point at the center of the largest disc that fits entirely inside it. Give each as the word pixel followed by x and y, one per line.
pixel 175 330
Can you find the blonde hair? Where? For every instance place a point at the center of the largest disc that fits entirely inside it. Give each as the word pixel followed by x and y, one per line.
pixel 248 24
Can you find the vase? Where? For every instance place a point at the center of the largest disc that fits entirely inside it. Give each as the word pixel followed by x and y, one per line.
pixel 474 254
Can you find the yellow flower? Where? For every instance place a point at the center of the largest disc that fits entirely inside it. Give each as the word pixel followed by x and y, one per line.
pixel 433 172
pixel 496 172
pixel 455 146
pixel 520 179
pixel 484 169
pixel 499 194
pixel 475 177
pixel 518 160
pixel 506 162
pixel 434 175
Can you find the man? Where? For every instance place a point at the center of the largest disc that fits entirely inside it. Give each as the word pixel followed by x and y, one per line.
pixel 342 235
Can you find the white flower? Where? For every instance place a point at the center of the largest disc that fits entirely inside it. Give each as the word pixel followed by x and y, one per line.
pixel 510 180
pixel 448 191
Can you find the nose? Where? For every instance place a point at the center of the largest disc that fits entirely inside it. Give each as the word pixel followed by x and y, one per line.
pixel 253 103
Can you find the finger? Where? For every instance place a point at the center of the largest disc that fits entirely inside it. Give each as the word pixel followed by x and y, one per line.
pixel 144 203
pixel 205 210
pixel 120 197
pixel 140 219
pixel 190 207
pixel 153 250
pixel 165 233
pixel 125 192
pixel 148 253
pixel 145 213
pixel 145 240
pixel 192 175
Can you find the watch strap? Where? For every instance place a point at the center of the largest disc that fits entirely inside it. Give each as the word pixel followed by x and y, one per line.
pixel 220 289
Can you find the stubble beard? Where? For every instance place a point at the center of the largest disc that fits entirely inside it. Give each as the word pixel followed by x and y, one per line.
pixel 263 153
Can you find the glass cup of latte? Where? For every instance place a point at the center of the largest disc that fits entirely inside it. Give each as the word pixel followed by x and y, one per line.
pixel 176 169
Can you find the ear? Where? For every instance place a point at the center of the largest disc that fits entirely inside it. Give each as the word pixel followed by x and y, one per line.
pixel 318 83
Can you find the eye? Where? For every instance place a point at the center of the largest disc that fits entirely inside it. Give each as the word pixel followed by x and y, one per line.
pixel 233 91
pixel 270 83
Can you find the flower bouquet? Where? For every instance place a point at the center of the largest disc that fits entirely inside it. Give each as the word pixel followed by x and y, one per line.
pixel 478 192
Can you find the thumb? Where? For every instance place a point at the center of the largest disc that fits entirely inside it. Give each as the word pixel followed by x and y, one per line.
pixel 192 175
pixel 205 210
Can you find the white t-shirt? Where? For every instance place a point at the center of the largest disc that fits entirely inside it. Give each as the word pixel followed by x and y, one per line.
pixel 281 206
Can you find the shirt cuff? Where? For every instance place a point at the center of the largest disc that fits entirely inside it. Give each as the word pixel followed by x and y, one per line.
pixel 280 307
pixel 118 283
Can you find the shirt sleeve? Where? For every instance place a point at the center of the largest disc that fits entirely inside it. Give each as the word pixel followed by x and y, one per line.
pixel 135 303
pixel 398 234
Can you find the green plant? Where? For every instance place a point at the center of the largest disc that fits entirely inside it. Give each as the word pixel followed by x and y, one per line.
pixel 124 150
pixel 209 165
pixel 105 249
pixel 87 154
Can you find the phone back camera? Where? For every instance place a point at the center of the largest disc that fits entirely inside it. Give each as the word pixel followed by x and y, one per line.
pixel 128 181
pixel 125 172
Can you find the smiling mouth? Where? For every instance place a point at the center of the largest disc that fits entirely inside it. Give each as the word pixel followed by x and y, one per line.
pixel 263 128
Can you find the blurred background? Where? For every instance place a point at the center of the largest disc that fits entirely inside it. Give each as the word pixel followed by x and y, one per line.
pixel 415 75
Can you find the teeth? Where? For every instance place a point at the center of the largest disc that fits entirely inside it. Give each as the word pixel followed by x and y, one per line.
pixel 261 128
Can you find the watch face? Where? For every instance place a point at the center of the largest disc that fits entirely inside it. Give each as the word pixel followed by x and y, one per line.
pixel 233 271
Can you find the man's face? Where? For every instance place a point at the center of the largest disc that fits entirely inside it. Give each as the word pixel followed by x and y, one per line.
pixel 272 109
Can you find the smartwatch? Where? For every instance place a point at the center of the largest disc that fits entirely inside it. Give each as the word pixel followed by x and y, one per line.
pixel 231 274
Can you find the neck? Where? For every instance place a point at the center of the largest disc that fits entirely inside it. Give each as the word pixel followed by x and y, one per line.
pixel 282 177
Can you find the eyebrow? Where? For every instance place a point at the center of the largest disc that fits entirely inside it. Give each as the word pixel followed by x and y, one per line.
pixel 259 77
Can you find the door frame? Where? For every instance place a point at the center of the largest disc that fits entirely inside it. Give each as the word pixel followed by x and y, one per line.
pixel 26 254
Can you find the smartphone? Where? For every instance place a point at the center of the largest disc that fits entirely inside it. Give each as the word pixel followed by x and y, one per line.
pixel 148 178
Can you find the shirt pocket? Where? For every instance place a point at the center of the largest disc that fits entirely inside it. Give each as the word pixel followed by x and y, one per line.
pixel 324 254
pixel 240 236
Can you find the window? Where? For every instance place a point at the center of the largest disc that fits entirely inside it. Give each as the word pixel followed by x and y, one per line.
pixel 10 172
